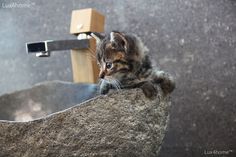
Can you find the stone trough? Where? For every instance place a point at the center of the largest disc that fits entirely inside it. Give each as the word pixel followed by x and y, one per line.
pixel 122 123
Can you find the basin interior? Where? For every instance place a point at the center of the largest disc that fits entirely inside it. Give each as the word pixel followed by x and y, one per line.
pixel 44 99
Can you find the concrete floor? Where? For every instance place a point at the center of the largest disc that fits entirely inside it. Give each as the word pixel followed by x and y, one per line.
pixel 194 40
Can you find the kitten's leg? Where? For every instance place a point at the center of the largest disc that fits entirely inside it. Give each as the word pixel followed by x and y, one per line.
pixel 165 80
pixel 131 81
pixel 149 89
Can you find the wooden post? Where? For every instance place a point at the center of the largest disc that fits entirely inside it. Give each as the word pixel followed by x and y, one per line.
pixel 83 61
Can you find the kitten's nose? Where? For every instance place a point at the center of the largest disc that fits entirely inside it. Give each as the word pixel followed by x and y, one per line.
pixel 102 75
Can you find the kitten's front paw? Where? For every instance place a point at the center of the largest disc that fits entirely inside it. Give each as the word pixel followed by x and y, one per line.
pixel 149 90
pixel 165 80
pixel 104 90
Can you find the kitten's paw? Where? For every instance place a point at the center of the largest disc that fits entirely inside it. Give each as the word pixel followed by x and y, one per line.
pixel 104 91
pixel 104 88
pixel 149 90
pixel 165 80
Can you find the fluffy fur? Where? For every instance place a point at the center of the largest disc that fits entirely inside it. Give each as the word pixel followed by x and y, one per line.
pixel 124 64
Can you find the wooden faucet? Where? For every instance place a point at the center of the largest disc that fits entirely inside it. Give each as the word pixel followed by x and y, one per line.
pixel 84 65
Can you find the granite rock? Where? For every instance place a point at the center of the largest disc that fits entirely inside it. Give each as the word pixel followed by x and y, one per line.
pixel 122 123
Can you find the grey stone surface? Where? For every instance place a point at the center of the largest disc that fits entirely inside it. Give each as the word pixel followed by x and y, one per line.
pixel 195 40
pixel 123 123
pixel 43 99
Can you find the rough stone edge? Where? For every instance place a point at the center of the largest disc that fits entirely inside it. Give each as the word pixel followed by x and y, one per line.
pixel 90 102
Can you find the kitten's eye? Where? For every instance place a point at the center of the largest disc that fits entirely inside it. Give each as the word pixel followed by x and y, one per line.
pixel 108 65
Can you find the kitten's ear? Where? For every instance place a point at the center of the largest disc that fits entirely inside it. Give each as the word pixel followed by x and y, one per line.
pixel 117 37
pixel 99 37
pixel 112 37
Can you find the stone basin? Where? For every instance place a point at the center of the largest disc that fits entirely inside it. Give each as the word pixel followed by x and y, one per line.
pixel 121 124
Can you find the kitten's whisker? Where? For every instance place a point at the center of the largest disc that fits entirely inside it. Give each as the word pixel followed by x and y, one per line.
pixel 100 82
pixel 113 84
pixel 119 83
pixel 116 84
pixel 92 54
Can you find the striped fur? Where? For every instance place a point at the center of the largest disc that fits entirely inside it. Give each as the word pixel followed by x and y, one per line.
pixel 124 64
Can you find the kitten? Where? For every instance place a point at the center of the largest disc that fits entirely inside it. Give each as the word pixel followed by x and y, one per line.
pixel 124 64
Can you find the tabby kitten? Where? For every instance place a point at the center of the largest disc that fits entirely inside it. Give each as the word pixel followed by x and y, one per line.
pixel 124 64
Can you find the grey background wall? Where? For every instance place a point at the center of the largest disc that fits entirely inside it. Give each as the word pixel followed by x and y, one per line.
pixel 194 40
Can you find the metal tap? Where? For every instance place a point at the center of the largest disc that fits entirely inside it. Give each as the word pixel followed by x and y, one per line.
pixel 44 48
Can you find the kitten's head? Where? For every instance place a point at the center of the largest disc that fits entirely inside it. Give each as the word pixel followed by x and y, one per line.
pixel 117 55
